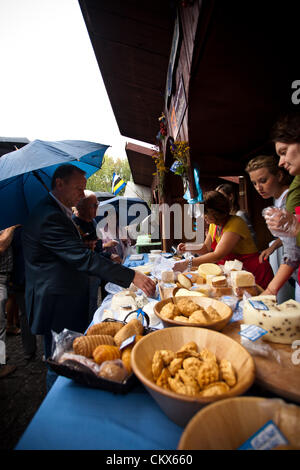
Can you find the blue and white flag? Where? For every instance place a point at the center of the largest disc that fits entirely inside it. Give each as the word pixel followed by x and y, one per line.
pixel 117 184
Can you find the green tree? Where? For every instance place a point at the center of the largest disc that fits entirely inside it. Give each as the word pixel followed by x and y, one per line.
pixel 102 179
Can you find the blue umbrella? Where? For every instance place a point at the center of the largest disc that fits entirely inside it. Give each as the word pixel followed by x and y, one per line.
pixel 127 209
pixel 25 175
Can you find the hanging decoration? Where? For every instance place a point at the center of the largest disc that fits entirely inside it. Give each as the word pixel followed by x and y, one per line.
pixel 161 170
pixel 163 128
pixel 181 152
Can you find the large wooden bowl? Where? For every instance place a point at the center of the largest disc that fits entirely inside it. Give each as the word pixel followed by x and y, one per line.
pixel 180 408
pixel 223 309
pixel 227 424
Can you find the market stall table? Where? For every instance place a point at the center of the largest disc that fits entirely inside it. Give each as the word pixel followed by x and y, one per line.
pixel 74 417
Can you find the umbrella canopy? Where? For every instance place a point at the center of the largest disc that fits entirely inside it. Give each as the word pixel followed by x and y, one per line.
pixel 26 174
pixel 127 210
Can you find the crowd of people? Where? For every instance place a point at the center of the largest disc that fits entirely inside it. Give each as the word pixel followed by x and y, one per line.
pixel 52 267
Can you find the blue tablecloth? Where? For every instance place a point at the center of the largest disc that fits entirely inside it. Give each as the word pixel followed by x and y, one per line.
pixel 76 417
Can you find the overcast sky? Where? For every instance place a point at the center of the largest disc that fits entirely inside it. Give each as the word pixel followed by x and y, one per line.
pixel 50 84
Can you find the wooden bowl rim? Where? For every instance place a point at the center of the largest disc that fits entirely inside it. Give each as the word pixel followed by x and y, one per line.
pixel 211 409
pixel 222 322
pixel 234 391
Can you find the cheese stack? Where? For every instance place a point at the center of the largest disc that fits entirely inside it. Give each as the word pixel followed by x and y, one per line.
pixel 209 269
pixel 281 321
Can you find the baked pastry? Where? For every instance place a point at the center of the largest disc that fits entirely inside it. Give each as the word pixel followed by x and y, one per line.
pixel 169 311
pixel 187 306
pixel 162 380
pixel 85 345
pixel 215 389
pixel 207 355
pixel 113 370
pixel 192 365
pixel 157 365
pixel 106 352
pixel 126 354
pixel 199 316
pixel 227 373
pixel 208 373
pixel 181 318
pixel 177 386
pixel 133 327
pixel 105 328
pixel 175 365
pixel 212 313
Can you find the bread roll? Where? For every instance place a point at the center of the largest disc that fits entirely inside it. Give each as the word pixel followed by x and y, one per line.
pixel 134 327
pixel 106 352
pixel 105 328
pixel 85 345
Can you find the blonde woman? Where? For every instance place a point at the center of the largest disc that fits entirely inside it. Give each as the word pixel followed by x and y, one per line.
pixel 270 181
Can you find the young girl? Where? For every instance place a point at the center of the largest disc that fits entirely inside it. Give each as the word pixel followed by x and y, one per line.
pixel 228 238
pixel 270 181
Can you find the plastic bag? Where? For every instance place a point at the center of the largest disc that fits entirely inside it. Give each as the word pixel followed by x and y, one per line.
pixel 63 342
pixel 280 222
pixel 259 347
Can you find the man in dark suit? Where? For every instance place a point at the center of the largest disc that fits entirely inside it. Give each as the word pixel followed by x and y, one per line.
pixel 58 263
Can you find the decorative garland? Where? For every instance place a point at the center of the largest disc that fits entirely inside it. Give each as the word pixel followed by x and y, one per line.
pixel 161 169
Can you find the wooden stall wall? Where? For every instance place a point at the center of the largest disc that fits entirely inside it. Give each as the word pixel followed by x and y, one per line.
pixel 176 106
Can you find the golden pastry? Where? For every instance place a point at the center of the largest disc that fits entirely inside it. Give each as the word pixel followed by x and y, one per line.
pixel 199 316
pixel 177 386
pixel 189 349
pixel 181 318
pixel 212 313
pixel 187 307
pixel 169 311
pixel 192 365
pixel 215 389
pixel 207 355
pixel 134 327
pixel 227 372
pixel 162 380
pixel 175 365
pixel 105 352
pixel 105 328
pixel 157 365
pixel 85 345
pixel 188 380
pixel 208 373
pixel 167 356
pixel 126 354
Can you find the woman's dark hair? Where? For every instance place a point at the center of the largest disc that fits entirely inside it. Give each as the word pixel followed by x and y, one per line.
pixel 218 205
pixel 229 190
pixel 287 129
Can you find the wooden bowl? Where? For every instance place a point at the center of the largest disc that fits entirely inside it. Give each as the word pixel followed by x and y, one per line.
pixel 180 408
pixel 224 310
pixel 227 424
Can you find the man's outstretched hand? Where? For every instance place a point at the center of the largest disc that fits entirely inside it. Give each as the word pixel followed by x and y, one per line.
pixel 145 283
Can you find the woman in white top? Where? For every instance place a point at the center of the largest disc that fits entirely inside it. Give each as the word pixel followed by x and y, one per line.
pixel 270 181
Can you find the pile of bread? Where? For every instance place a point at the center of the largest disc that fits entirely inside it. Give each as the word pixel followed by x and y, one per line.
pixel 186 310
pixel 190 372
pixel 213 280
pixel 101 349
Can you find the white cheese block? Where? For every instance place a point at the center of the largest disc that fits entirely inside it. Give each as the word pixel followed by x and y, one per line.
pixel 234 265
pixel 207 269
pixel 144 268
pixel 242 279
pixel 167 276
pixel 123 299
pixel 281 321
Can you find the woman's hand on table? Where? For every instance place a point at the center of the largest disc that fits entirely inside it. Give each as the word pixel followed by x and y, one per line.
pixel 181 266
pixel 145 283
pixel 181 248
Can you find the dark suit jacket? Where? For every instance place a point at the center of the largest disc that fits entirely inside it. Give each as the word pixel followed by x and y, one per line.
pixel 57 267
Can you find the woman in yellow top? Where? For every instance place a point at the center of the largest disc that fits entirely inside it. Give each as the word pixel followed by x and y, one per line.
pixel 228 238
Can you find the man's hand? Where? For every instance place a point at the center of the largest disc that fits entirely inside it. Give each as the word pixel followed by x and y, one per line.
pixel 116 258
pixel 110 244
pixel 145 283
